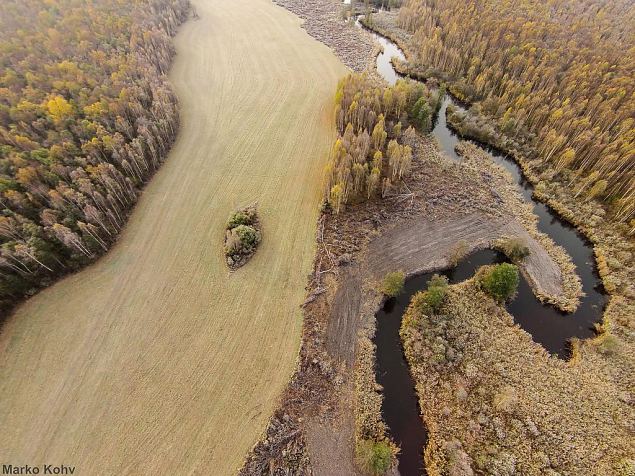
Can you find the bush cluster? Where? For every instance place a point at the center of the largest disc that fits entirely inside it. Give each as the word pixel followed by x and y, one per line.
pixel 374 457
pixel 431 300
pixel 500 281
pixel 393 283
pixel 241 217
pixel 242 235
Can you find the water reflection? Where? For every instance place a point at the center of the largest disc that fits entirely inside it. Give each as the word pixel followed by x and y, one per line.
pixel 547 325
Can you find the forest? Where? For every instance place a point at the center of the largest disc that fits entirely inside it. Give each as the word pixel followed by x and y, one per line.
pixel 556 70
pixel 84 122
pixel 376 126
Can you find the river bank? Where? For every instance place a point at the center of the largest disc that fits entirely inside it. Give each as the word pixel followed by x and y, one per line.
pixel 334 395
pixel 612 241
pixel 488 413
pixel 608 357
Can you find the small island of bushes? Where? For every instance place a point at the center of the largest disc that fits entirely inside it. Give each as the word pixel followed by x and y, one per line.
pixel 242 236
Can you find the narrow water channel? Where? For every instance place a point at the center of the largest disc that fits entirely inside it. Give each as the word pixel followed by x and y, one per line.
pixel 400 407
pixel 548 326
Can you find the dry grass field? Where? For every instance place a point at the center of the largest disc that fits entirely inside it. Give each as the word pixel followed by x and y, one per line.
pixel 157 360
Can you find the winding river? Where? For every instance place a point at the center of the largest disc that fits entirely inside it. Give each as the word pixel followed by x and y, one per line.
pixel 547 325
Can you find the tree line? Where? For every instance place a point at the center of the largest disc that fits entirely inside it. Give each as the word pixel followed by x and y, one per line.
pixel 562 70
pixel 86 118
pixel 376 126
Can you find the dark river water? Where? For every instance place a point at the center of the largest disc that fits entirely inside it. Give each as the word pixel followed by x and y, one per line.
pixel 548 326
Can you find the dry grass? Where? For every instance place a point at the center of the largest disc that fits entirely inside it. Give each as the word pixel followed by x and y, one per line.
pixel 494 399
pixel 157 360
pixel 561 288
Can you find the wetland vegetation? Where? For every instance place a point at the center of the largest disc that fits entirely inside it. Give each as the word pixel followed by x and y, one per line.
pixel 452 456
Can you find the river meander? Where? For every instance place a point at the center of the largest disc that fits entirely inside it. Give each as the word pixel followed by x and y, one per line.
pixel 547 325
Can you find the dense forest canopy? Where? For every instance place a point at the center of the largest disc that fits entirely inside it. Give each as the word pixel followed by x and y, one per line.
pixel 376 126
pixel 562 69
pixel 86 117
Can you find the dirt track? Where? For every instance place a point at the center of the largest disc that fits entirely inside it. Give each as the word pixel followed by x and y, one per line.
pixel 156 360
pixel 422 245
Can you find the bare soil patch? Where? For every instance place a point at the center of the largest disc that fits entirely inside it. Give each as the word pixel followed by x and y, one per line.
pixel 330 442
pixel 421 245
pixel 341 332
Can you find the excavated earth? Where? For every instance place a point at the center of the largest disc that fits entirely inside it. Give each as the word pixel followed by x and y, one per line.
pixel 414 231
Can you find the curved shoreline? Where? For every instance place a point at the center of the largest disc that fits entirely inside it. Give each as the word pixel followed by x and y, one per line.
pixel 557 207
pixel 585 239
pixel 325 390
pixel 517 169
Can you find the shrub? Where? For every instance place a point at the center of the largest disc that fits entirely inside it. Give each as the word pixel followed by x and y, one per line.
pixel 437 289
pixel 241 217
pixel 500 281
pixel 232 244
pixel 247 234
pixel 241 239
pixel 393 283
pixel 432 299
pixel 514 248
pixel 374 457
pixel 242 236
pixel 458 252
